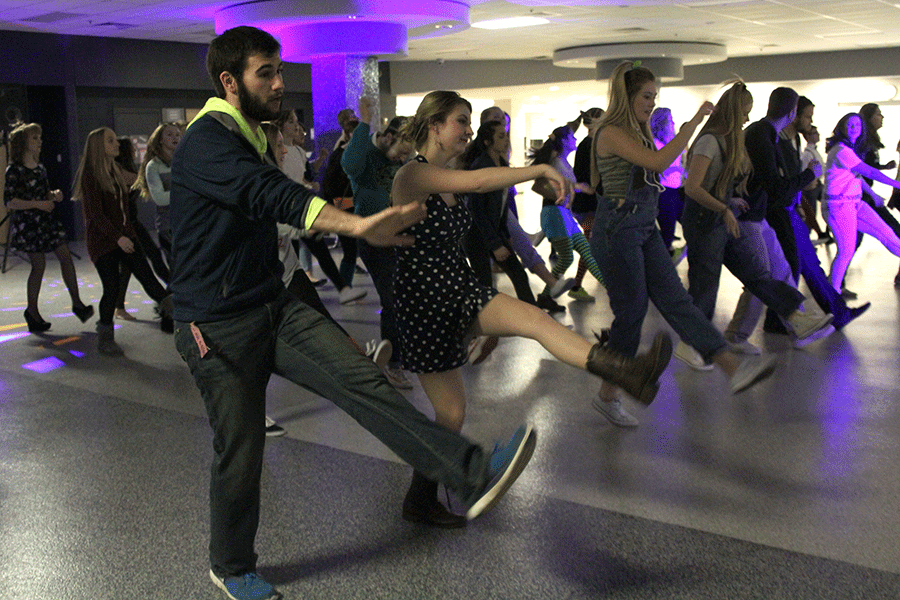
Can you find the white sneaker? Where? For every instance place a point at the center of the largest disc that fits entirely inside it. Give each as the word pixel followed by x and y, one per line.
pixel 481 347
pixel 750 371
pixel 818 335
pixel 398 378
pixel 379 352
pixel 614 412
pixel 349 294
pixel 804 325
pixel 561 287
pixel 743 347
pixel 273 429
pixel 691 358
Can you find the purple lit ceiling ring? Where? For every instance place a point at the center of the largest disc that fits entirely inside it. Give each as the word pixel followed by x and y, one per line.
pixel 359 24
pixel 309 40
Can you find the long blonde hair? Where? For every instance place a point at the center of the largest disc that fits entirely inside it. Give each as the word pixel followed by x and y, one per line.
pixel 625 83
pixel 154 150
pixel 727 123
pixel 96 164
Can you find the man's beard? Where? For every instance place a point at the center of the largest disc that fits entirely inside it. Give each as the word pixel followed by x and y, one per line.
pixel 252 107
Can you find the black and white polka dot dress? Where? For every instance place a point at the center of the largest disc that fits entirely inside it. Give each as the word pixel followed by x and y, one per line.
pixel 435 291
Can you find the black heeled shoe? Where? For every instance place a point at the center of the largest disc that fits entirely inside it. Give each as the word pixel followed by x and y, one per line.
pixel 38 325
pixel 83 312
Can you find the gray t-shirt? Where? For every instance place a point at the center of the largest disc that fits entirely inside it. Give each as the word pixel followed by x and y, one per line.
pixel 706 145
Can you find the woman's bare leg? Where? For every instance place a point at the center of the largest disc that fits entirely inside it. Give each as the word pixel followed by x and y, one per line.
pixel 447 394
pixel 507 316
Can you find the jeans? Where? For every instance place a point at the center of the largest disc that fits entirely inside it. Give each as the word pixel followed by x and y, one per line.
pixel 819 286
pixel 287 338
pixel 480 259
pixel 671 206
pixel 381 263
pixel 521 244
pixel 710 246
pixel 764 245
pixel 637 267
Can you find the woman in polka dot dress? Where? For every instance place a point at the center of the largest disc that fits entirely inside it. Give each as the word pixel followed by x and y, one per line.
pixel 440 304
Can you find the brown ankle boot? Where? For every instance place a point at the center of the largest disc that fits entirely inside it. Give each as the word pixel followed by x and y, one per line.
pixel 637 376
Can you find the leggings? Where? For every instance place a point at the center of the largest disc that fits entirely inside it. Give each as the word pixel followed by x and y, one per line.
pixel 564 246
pixel 109 271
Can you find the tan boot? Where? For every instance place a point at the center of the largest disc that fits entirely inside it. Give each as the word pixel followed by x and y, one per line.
pixel 638 376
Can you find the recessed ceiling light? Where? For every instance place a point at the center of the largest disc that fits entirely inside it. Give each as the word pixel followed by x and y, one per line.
pixel 510 23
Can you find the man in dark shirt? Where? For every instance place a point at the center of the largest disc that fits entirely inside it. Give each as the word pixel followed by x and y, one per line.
pixel 236 325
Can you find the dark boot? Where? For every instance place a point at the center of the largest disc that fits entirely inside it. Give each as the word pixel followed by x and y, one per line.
pixel 637 376
pixel 165 309
pixel 421 505
pixel 106 343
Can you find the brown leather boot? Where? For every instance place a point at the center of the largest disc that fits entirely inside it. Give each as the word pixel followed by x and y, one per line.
pixel 637 376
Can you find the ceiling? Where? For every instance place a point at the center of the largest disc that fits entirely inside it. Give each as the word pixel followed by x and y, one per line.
pixel 745 27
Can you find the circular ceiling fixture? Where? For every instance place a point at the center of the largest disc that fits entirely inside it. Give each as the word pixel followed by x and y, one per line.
pixel 347 27
pixel 665 59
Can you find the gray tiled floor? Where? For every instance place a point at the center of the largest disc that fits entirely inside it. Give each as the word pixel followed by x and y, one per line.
pixel 787 491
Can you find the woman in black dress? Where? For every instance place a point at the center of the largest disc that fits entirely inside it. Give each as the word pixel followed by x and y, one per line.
pixel 440 303
pixel 34 228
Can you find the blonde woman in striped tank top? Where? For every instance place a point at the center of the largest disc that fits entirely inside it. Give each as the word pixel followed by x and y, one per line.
pixel 626 241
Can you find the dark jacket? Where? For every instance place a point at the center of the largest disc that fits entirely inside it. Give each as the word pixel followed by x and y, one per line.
pixel 776 178
pixel 488 210
pixel 225 203
pixel 106 217
pixel 584 203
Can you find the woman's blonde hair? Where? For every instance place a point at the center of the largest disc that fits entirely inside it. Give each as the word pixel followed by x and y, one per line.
pixel 97 165
pixel 434 108
pixel 624 84
pixel 727 124
pixel 18 141
pixel 154 150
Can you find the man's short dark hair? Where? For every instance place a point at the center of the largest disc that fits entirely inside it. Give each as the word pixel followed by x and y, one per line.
pixel 803 103
pixel 231 50
pixel 781 102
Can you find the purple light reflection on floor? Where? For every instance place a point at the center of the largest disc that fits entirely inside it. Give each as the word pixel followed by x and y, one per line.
pixel 840 405
pixel 12 336
pixel 76 353
pixel 45 365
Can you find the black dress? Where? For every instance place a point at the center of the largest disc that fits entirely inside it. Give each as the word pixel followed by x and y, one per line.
pixel 32 230
pixel 436 294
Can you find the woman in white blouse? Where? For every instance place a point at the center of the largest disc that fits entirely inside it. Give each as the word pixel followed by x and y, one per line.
pixel 844 186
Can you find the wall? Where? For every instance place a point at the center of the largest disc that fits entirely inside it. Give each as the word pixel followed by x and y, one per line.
pixel 93 82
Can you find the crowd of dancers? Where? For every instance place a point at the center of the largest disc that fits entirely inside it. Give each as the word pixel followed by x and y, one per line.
pixel 428 206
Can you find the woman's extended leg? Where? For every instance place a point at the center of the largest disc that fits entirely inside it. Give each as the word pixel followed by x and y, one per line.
pixel 505 316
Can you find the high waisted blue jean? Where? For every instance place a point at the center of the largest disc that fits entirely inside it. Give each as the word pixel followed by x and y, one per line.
pixel 287 338
pixel 638 268
pixel 710 247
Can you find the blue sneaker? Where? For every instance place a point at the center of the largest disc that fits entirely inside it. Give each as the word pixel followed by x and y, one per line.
pixel 505 466
pixel 248 586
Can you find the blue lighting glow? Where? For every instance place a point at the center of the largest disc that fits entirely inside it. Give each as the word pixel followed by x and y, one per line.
pixel 76 353
pixel 45 365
